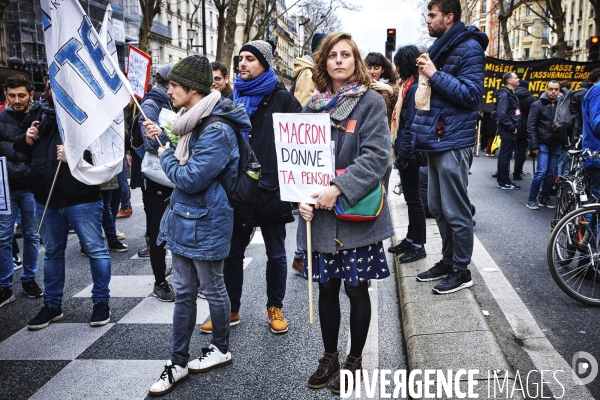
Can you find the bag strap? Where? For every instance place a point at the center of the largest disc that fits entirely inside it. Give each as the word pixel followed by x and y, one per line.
pixel 217 118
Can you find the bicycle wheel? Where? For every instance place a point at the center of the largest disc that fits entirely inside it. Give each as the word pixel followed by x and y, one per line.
pixel 567 201
pixel 573 255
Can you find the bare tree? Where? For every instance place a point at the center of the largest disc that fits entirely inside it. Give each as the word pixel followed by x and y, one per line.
pixel 504 14
pixel 230 28
pixel 320 16
pixel 150 8
pixel 553 15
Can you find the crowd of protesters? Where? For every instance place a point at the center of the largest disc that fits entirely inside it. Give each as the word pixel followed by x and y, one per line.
pixel 418 113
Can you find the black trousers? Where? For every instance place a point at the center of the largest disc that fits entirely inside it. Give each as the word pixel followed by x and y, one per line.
pixel 416 213
pixel 159 200
pixel 522 144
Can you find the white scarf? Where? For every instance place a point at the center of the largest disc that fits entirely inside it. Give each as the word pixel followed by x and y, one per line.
pixel 187 120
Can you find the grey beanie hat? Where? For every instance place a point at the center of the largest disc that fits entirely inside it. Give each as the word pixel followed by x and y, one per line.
pixel 263 50
pixel 193 72
pixel 162 73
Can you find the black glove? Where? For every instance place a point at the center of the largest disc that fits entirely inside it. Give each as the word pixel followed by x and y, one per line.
pixel 402 163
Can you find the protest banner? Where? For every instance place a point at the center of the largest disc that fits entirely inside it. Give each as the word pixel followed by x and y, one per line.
pixel 305 163
pixel 536 72
pixel 138 71
pixel 4 190
pixel 304 155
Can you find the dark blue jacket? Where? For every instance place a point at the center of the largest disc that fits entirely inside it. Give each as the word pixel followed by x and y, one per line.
pixel 508 111
pixel 405 138
pixel 199 220
pixel 456 90
pixel 540 125
pixel 590 108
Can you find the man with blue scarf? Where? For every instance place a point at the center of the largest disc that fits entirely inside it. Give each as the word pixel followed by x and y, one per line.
pixel 455 67
pixel 261 93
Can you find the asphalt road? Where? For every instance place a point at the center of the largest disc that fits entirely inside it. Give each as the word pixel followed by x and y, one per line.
pixel 516 238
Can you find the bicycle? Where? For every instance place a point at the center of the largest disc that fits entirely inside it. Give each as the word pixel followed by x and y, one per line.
pixel 573 254
pixel 573 186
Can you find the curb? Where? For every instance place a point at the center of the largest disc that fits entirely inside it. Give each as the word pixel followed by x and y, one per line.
pixel 442 332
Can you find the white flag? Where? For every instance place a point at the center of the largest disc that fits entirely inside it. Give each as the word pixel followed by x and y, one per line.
pixel 89 90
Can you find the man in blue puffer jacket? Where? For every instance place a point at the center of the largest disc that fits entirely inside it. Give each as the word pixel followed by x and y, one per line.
pixel 455 66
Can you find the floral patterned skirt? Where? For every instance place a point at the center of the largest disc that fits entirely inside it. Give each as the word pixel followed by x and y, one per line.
pixel 353 265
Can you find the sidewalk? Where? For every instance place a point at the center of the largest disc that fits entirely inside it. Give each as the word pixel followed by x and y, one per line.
pixel 442 332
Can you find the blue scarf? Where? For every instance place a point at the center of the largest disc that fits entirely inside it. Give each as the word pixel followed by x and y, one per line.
pixel 442 42
pixel 250 93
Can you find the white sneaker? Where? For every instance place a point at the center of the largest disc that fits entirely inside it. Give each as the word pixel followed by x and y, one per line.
pixel 201 295
pixel 17 262
pixel 211 358
pixel 171 375
pixel 120 235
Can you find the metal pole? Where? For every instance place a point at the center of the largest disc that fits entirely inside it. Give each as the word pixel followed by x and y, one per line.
pixel 203 27
pixel 311 313
pixel 49 196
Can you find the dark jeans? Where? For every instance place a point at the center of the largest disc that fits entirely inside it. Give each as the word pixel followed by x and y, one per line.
pixel 274 236
pixel 520 155
pixel 146 202
pixel 124 190
pixel 189 275
pixel 416 213
pixel 108 220
pixel 450 205
pixel 507 148
pixel 158 202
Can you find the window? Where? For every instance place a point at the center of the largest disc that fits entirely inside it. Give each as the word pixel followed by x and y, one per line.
pixel 591 31
pixel 211 19
pixel 570 34
pixel 484 6
pixel 528 30
pixel 546 32
pixel 179 35
pixel 170 59
pixel 545 52
pixel 482 28
pixel 526 53
pixel 529 11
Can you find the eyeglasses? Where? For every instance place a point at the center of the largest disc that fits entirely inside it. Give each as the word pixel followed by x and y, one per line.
pixel 217 79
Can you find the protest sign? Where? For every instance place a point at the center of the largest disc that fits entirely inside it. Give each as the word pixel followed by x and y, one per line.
pixel 138 70
pixel 4 191
pixel 304 155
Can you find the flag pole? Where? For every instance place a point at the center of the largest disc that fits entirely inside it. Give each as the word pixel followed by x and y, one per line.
pixel 49 196
pixel 311 316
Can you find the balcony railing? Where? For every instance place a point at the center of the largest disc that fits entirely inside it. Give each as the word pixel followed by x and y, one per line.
pixel 161 29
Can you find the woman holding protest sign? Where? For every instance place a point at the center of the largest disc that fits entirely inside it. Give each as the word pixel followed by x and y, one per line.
pixel 347 250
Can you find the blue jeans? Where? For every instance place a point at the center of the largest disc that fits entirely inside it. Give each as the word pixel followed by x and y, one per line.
pixel 86 220
pixel 274 236
pixel 108 219
pixel 20 200
pixel 300 234
pixel 188 275
pixel 547 158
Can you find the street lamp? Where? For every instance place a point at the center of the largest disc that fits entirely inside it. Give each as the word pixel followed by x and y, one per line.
pixel 191 35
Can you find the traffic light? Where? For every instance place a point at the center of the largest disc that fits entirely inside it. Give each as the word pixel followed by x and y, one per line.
pixel 594 47
pixel 236 64
pixel 390 44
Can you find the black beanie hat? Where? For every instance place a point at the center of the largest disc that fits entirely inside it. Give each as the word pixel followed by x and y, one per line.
pixel 316 41
pixel 261 49
pixel 193 72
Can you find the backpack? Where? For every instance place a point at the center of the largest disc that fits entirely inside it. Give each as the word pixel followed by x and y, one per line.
pixel 563 119
pixel 244 196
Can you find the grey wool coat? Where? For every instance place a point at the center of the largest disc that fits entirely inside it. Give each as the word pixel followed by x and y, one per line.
pixel 365 153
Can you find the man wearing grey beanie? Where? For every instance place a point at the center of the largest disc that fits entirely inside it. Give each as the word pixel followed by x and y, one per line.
pixel 259 90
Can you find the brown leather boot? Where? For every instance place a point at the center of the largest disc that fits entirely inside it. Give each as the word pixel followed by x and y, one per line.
pixel 297 265
pixel 329 368
pixel 351 364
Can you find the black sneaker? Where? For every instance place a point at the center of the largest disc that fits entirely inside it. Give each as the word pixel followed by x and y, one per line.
pixel 18 231
pixel 44 317
pixel 6 296
pixel 438 271
pixel 31 289
pixel 401 247
pixel 100 315
pixel 414 254
pixel 118 247
pixel 164 292
pixel 454 282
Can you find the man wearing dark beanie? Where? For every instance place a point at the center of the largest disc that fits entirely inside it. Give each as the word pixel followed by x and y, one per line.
pixel 196 225
pixel 259 90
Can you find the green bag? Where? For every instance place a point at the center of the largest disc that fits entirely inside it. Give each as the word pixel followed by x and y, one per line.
pixel 366 209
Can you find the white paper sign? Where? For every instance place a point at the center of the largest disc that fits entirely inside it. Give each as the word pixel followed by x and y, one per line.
pixel 138 71
pixel 304 157
pixel 4 191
